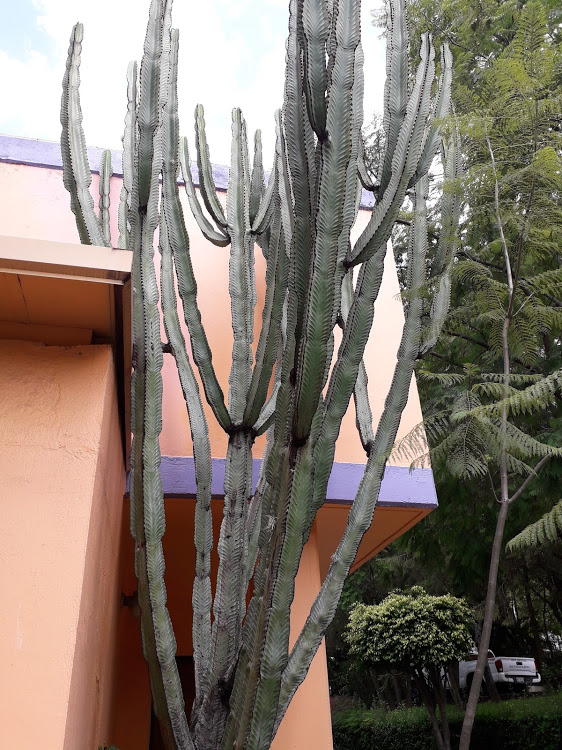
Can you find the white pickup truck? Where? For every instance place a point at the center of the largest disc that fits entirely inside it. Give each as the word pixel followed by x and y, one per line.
pixel 511 670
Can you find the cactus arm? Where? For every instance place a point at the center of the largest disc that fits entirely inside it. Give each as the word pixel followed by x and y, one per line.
pixel 344 375
pixel 440 109
pixel 206 181
pixel 126 216
pixel 275 649
pixel 276 289
pixel 219 238
pixel 202 597
pixel 153 519
pixel 149 90
pixel 316 27
pixel 336 157
pixel 285 194
pixel 267 414
pixel 361 513
pixel 77 177
pixel 364 176
pixel 232 545
pixel 239 271
pixel 404 162
pixel 263 215
pixel 396 84
pixel 298 195
pixel 138 408
pixel 187 286
pixel 277 475
pixel 138 389
pixel 230 589
pixel 363 413
pixel 255 515
pixel 451 205
pixel 257 181
pixel 106 171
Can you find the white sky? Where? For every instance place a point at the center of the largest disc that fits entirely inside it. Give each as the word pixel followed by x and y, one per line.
pixel 232 53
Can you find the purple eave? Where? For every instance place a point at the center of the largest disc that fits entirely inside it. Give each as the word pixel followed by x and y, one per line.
pixel 401 487
pixel 46 154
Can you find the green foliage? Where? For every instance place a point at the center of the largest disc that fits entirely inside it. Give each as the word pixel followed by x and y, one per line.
pixel 533 723
pixel 506 92
pixel 410 629
pixel 546 529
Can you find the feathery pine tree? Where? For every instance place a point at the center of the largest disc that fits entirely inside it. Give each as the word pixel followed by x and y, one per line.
pixel 496 369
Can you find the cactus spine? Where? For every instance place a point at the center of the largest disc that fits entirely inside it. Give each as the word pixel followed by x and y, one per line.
pixel 301 221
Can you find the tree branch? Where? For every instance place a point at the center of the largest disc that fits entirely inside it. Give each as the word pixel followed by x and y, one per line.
pixel 523 487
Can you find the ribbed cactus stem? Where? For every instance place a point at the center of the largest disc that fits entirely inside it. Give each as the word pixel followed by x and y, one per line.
pixel 292 385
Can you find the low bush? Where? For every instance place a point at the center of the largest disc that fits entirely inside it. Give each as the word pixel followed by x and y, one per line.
pixel 520 724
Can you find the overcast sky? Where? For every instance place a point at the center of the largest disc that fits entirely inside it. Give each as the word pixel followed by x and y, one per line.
pixel 232 53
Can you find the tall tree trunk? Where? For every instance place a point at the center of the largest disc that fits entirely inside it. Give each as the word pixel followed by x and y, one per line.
pixel 481 662
pixel 441 696
pixel 533 624
pixel 397 689
pixel 491 687
pixel 408 691
pixel 453 676
pixel 429 702
pixel 380 691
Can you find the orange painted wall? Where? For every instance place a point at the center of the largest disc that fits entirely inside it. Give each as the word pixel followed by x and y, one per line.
pixel 61 488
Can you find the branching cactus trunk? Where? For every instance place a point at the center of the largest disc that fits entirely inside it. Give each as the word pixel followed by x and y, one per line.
pixel 245 673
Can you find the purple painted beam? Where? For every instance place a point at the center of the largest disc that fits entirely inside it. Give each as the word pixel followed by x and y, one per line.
pixel 46 154
pixel 400 486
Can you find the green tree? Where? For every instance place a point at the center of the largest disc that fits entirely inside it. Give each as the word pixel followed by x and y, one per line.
pixel 496 370
pixel 418 634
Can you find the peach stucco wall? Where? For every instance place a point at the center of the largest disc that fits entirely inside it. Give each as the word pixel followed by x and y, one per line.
pixel 61 490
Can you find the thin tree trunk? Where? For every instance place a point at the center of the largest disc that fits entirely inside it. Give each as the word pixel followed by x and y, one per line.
pixel 484 645
pixel 453 676
pixel 430 706
pixel 397 689
pixel 389 696
pixel 505 499
pixel 481 662
pixel 491 687
pixel 441 695
pixel 408 691
pixel 533 624
pixel 380 692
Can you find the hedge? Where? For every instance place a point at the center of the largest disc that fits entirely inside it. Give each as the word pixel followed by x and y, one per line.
pixel 520 724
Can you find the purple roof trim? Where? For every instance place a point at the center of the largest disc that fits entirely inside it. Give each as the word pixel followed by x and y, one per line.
pixel 400 486
pixel 35 153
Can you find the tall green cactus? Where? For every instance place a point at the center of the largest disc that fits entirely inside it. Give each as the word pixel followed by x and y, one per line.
pixel 245 673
